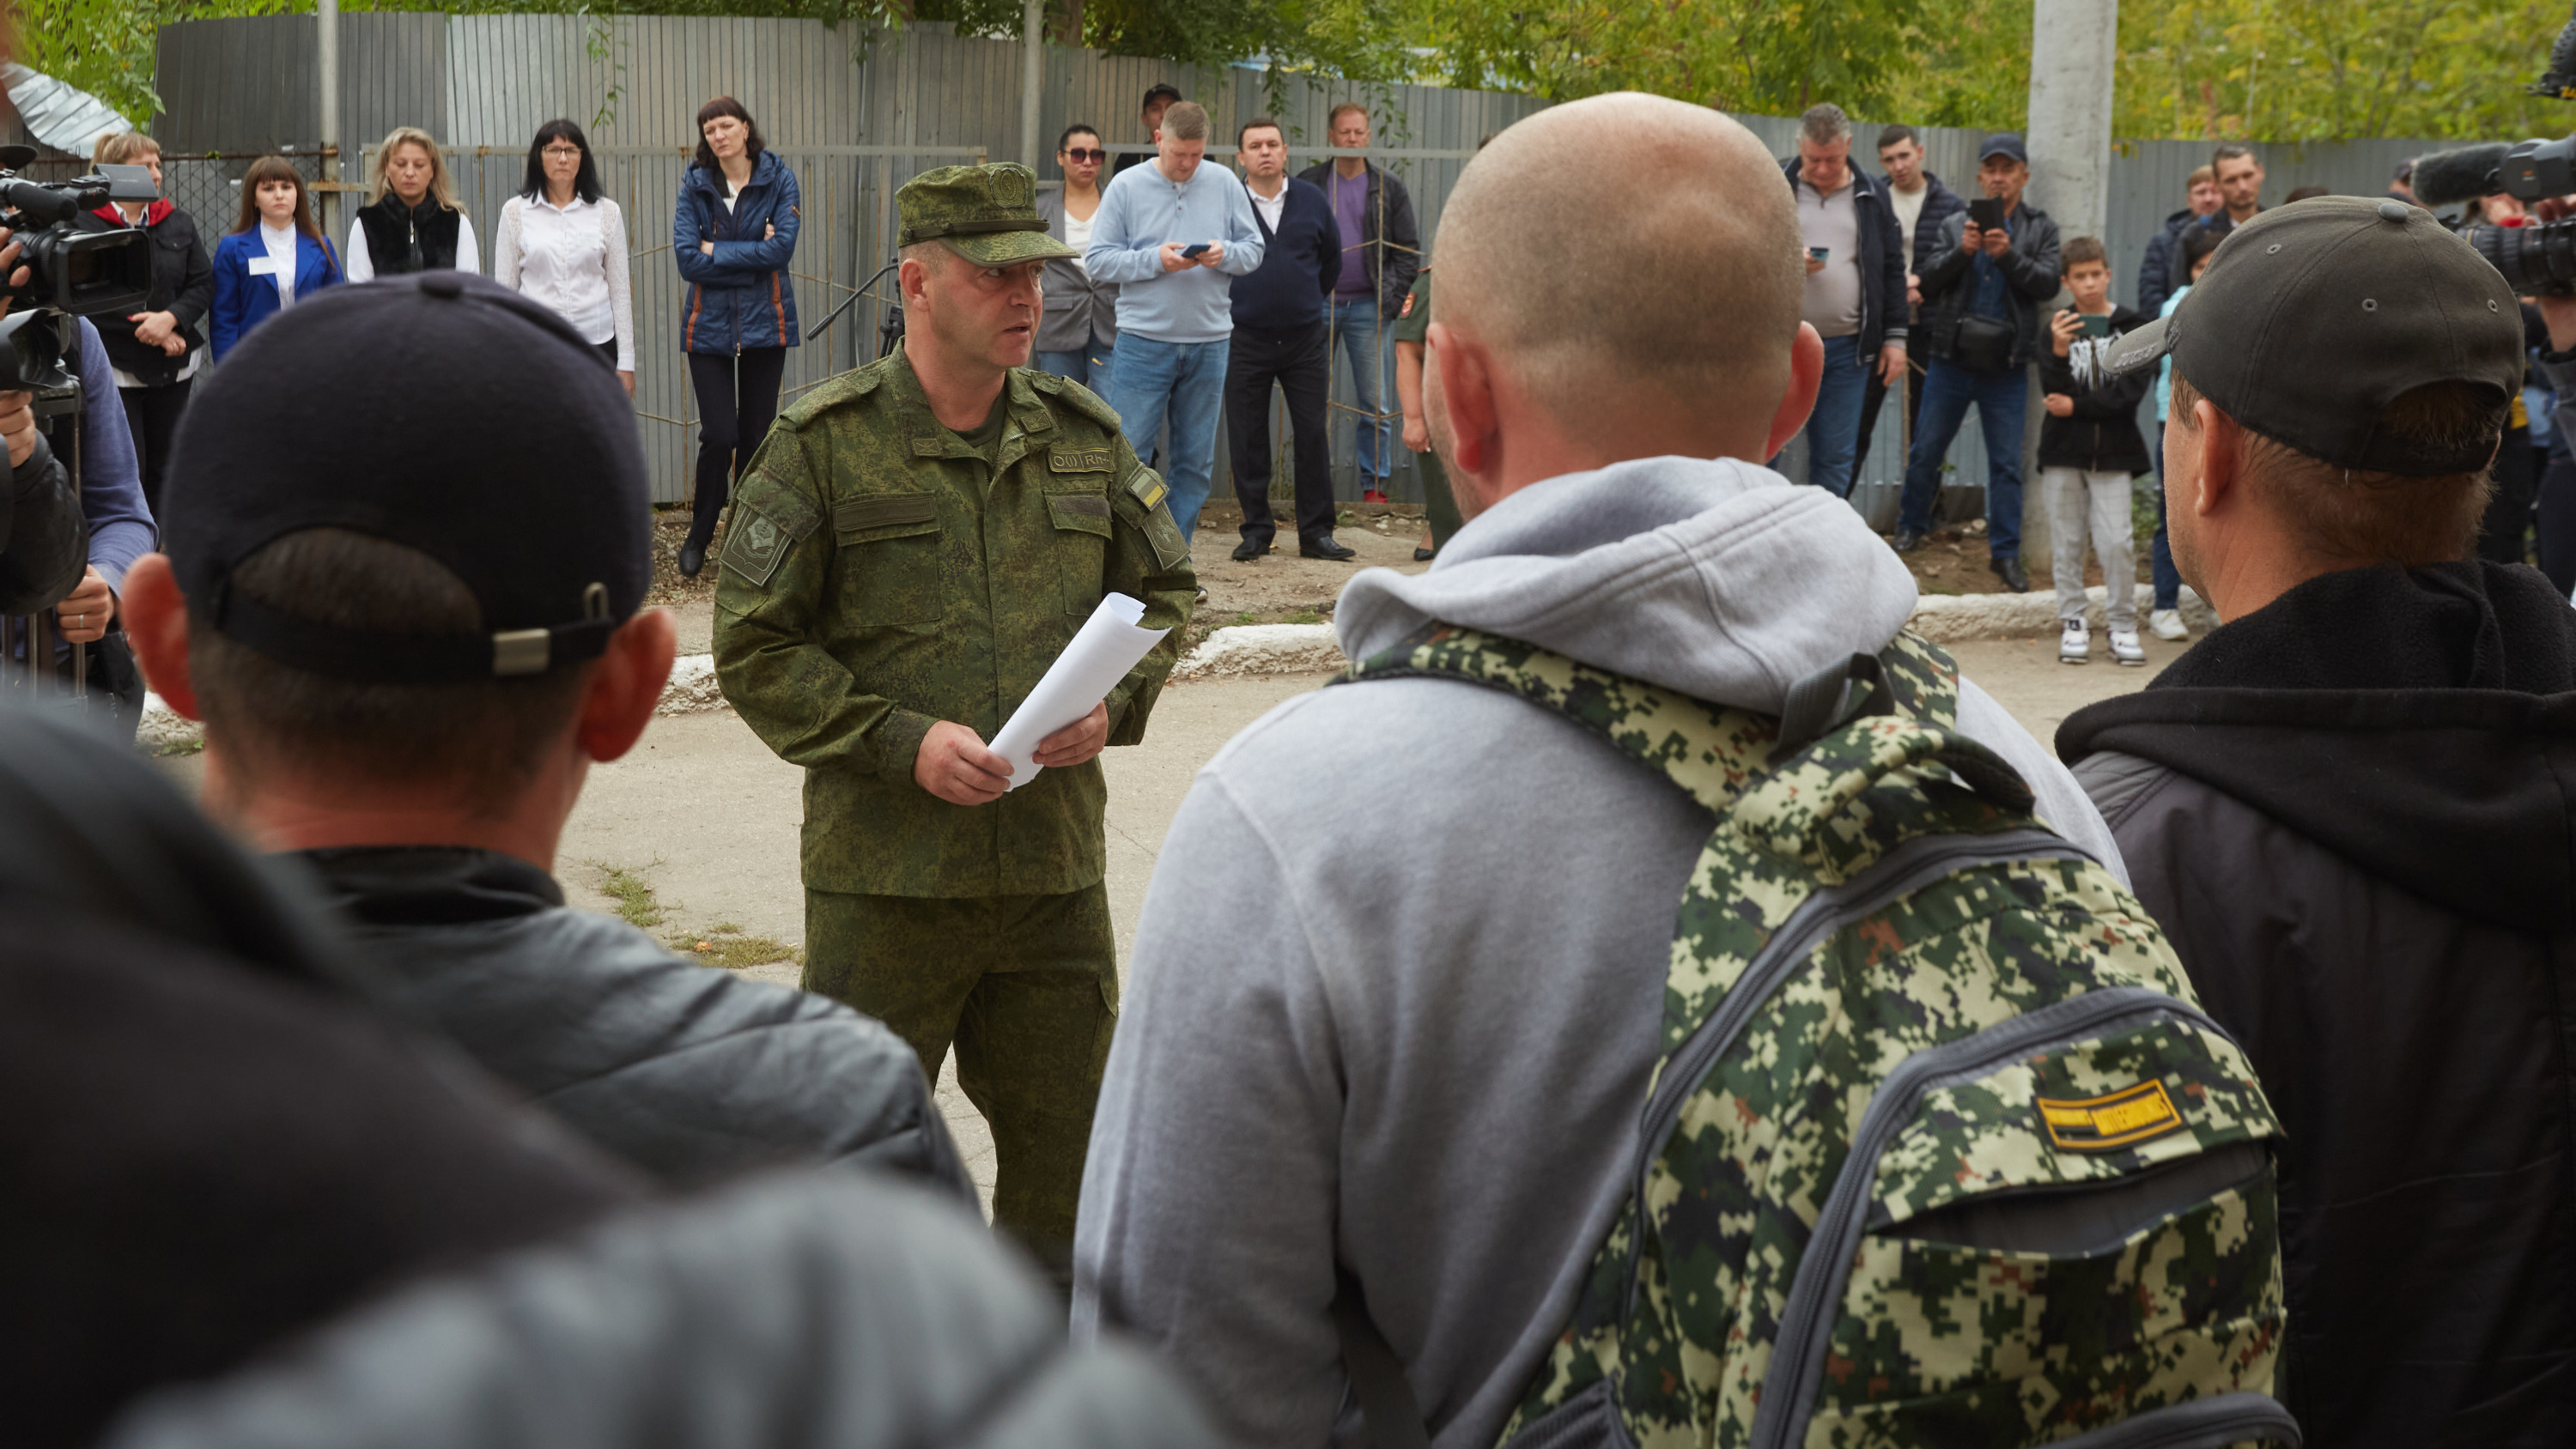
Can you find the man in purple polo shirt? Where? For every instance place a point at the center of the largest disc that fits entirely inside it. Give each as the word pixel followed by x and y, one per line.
pixel 1381 251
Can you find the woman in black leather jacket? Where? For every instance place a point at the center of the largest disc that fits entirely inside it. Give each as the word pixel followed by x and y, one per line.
pixel 158 349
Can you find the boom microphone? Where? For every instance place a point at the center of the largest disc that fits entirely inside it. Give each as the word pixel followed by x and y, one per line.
pixel 2453 176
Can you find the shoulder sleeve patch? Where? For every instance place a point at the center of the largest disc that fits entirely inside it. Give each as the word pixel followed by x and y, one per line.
pixel 768 520
pixel 1149 488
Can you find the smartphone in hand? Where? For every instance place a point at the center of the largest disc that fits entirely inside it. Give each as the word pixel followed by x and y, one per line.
pixel 1820 254
pixel 1986 212
pixel 2095 326
pixel 1193 250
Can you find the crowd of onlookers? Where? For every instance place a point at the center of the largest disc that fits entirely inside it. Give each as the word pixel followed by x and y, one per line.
pixel 368 1138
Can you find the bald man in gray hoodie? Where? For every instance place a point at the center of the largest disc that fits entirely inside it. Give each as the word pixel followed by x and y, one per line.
pixel 1411 1038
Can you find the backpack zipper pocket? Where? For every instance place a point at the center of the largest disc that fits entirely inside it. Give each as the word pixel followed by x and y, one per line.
pixel 1906 869
pixel 1793 1378
pixel 2210 1423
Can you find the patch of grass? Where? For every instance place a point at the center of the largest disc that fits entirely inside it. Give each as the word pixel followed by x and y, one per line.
pixel 1305 616
pixel 185 748
pixel 725 947
pixel 1245 618
pixel 637 906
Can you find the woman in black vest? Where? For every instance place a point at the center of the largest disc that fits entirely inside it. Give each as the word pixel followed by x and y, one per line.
pixel 411 222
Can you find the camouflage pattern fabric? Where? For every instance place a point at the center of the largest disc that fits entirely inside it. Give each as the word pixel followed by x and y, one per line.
pixel 1925 1341
pixel 880 574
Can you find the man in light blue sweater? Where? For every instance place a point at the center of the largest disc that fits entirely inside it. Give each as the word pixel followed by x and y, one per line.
pixel 1174 235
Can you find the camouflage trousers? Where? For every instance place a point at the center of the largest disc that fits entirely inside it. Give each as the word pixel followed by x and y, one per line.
pixel 1025 988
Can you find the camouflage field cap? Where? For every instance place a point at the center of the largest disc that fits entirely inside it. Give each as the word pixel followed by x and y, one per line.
pixel 986 214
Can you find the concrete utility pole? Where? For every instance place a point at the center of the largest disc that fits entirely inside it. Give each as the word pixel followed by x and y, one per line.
pixel 2073 44
pixel 1032 78
pixel 2072 47
pixel 326 17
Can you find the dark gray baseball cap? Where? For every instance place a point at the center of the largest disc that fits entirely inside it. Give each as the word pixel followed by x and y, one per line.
pixel 2313 318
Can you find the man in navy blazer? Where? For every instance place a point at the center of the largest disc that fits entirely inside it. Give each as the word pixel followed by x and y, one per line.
pixel 1279 338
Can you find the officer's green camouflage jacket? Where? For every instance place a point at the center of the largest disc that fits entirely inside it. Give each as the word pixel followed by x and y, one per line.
pixel 879 577
pixel 1940 1148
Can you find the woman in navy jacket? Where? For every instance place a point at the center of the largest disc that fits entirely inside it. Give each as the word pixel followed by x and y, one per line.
pixel 272 259
pixel 733 232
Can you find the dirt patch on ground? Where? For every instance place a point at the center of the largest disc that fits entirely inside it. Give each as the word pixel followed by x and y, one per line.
pixel 1283 587
pixel 670 530
pixel 1953 561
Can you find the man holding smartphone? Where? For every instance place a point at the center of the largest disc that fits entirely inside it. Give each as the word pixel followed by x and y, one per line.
pixel 1989 275
pixel 1856 268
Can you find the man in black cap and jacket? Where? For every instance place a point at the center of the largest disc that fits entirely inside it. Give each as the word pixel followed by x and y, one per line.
pixel 409 700
pixel 2348 807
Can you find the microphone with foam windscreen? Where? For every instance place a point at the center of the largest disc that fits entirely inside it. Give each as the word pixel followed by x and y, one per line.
pixel 2446 177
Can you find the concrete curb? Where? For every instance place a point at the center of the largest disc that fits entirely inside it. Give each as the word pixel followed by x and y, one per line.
pixel 692 690
pixel 1942 618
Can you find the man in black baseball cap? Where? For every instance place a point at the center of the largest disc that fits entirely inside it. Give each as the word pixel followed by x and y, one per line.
pixel 411 622
pixel 2348 807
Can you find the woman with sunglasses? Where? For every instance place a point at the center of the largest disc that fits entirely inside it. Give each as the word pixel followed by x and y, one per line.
pixel 1079 327
pixel 564 244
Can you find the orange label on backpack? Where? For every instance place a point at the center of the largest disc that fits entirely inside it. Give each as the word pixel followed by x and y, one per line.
pixel 2100 1124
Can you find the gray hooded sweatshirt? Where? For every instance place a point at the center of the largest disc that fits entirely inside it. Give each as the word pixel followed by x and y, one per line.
pixel 1396 991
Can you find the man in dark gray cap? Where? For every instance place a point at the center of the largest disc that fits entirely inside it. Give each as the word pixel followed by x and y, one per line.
pixel 2348 807
pixel 408 698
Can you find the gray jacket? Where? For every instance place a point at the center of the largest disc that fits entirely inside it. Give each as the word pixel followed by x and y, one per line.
pixel 1079 311
pixel 1416 1042
pixel 689 1072
pixel 811 1312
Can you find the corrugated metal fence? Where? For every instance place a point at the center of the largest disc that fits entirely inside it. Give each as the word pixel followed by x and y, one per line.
pixel 857 112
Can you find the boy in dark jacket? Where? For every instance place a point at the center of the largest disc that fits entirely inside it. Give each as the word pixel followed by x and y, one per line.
pixel 2089 451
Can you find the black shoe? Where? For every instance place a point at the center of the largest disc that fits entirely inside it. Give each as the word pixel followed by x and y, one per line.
pixel 1907 540
pixel 1248 550
pixel 1425 555
pixel 693 557
pixel 2010 571
pixel 1326 548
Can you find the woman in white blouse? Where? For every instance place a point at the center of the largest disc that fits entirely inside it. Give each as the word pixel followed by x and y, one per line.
pixel 564 244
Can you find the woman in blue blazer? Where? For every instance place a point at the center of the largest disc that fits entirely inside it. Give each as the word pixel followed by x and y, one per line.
pixel 733 233
pixel 274 258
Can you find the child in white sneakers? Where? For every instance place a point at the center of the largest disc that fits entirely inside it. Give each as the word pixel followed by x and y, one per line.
pixel 2089 453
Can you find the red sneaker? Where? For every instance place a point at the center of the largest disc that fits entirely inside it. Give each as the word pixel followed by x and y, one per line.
pixel 1374 495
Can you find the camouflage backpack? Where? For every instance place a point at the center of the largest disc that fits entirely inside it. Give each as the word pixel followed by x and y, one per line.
pixel 1939 1149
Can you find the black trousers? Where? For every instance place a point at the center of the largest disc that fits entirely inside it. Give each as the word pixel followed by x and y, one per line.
pixel 737 401
pixel 1300 364
pixel 1873 396
pixel 152 416
pixel 2504 534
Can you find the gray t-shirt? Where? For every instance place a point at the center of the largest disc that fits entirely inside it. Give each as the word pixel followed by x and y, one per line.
pixel 1833 295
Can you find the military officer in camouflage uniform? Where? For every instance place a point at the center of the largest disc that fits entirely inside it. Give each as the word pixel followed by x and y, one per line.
pixel 912 546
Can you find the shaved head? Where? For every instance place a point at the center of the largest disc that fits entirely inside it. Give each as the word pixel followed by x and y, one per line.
pixel 1673 277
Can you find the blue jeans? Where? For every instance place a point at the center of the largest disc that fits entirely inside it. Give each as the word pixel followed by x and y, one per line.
pixel 1355 325
pixel 2168 578
pixel 2000 398
pixel 1090 367
pixel 1833 429
pixel 1151 380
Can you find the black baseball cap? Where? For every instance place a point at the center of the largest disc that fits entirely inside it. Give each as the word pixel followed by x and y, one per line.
pixel 2003 143
pixel 440 411
pixel 2313 318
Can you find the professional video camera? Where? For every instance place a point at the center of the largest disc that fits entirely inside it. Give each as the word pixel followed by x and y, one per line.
pixel 2539 257
pixel 71 271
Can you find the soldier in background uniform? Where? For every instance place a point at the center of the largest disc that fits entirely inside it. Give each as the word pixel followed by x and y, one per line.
pixel 911 548
pixel 1411 334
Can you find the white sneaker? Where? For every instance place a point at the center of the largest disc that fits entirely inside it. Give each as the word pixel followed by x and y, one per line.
pixel 2166 624
pixel 2125 648
pixel 2075 646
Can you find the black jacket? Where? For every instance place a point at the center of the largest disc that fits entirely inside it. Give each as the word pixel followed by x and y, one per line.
pixel 2349 811
pixel 2101 436
pixel 2156 273
pixel 1387 217
pixel 44 540
pixel 1299 264
pixel 2030 268
pixel 183 285
pixel 1940 204
pixel 690 1073
pixel 217 1138
pixel 1883 263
